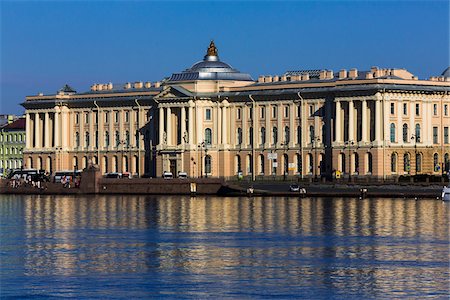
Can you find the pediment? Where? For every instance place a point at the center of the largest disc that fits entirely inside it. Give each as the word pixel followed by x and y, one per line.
pixel 173 92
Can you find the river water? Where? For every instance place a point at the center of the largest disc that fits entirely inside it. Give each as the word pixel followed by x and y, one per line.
pixel 108 247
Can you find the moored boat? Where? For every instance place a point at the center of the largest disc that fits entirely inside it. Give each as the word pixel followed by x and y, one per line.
pixel 446 193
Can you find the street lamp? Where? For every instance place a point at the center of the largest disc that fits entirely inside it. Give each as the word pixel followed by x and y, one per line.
pixel 315 141
pixel 416 139
pixel 349 144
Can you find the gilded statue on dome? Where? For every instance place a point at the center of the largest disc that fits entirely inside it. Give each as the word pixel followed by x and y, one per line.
pixel 212 50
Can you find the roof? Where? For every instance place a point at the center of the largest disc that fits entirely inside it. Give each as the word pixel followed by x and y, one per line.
pixel 446 72
pixel 211 68
pixel 17 124
pixel 67 89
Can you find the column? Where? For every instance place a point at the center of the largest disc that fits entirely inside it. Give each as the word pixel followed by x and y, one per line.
pixel 91 130
pixel 399 126
pixel 132 127
pixel 191 125
pixel 215 130
pixel 377 121
pixel 411 125
pixel 338 123
pixel 37 132
pixel 292 128
pixel 28 137
pixel 46 130
pixel 351 121
pixel 161 125
pixel 224 126
pixel 244 120
pixel 219 125
pixel 268 129
pixel 65 123
pixel 169 126
pixel 56 129
pixel 101 133
pixel 280 131
pixel 183 125
pixel 364 126
pixel 112 135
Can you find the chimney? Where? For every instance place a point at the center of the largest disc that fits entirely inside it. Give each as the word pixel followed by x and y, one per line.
pixel 369 75
pixel 128 85
pixel 305 76
pixel 261 79
pixel 323 74
pixel 157 84
pixel 138 85
pixel 283 78
pixel 330 74
pixel 353 73
pixel 148 85
pixel 343 74
pixel 268 78
pixel 110 86
pixel 276 78
pixel 94 87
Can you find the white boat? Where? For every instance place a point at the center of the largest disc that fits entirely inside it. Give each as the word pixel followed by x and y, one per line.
pixel 446 193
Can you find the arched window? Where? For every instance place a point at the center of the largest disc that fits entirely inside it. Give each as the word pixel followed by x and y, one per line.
pixel 238 164
pixel 275 135
pixel 405 133
pixel 127 138
pixel 418 133
pixel 446 162
pixel 115 164
pixel 285 164
pixel 261 164
pixel 263 135
pixel 249 164
pixel 299 135
pixel 125 164
pixel 310 163
pixel 392 133
pixel 208 136
pixel 75 163
pixel 286 135
pixel 84 162
pixel 239 136
pixel 105 164
pixel 418 162
pixel 299 163
pixel 117 141
pixel 394 162
pixel 356 170
pixel 77 139
pixel 135 164
pixel 30 162
pixel 311 134
pixel 107 139
pixel 86 140
pixel 250 135
pixel 369 163
pixel 39 163
pixel 436 162
pixel 406 162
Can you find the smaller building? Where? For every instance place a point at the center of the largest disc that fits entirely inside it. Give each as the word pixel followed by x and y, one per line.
pixel 12 143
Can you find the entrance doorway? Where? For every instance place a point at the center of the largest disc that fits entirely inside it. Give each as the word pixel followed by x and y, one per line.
pixel 173 167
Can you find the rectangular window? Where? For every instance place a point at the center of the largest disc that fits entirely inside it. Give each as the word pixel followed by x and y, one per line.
pixel 435 109
pixel 445 110
pixel 405 109
pixel 445 135
pixel 435 135
pixel 96 117
pixel 286 111
pixel 417 109
pixel 263 112
pixel 238 113
pixel 116 117
pixel 250 113
pixel 127 117
pixel 299 111
pixel 208 114
pixel 311 110
pixel 106 117
pixel 77 118
pixel 86 118
pixel 392 108
pixel 274 112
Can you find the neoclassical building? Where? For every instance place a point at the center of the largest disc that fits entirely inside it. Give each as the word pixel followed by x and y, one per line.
pixel 212 120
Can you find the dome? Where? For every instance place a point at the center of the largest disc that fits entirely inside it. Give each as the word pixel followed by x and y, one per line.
pixel 446 72
pixel 210 68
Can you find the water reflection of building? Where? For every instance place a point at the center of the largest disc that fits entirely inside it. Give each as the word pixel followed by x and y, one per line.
pixel 212 120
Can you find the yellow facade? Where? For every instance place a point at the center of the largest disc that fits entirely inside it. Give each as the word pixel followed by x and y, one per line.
pixel 212 120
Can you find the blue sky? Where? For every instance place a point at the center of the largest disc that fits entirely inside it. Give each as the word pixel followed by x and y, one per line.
pixel 47 44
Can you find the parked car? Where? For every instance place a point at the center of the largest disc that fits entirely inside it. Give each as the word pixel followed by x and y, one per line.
pixel 113 175
pixel 182 175
pixel 167 175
